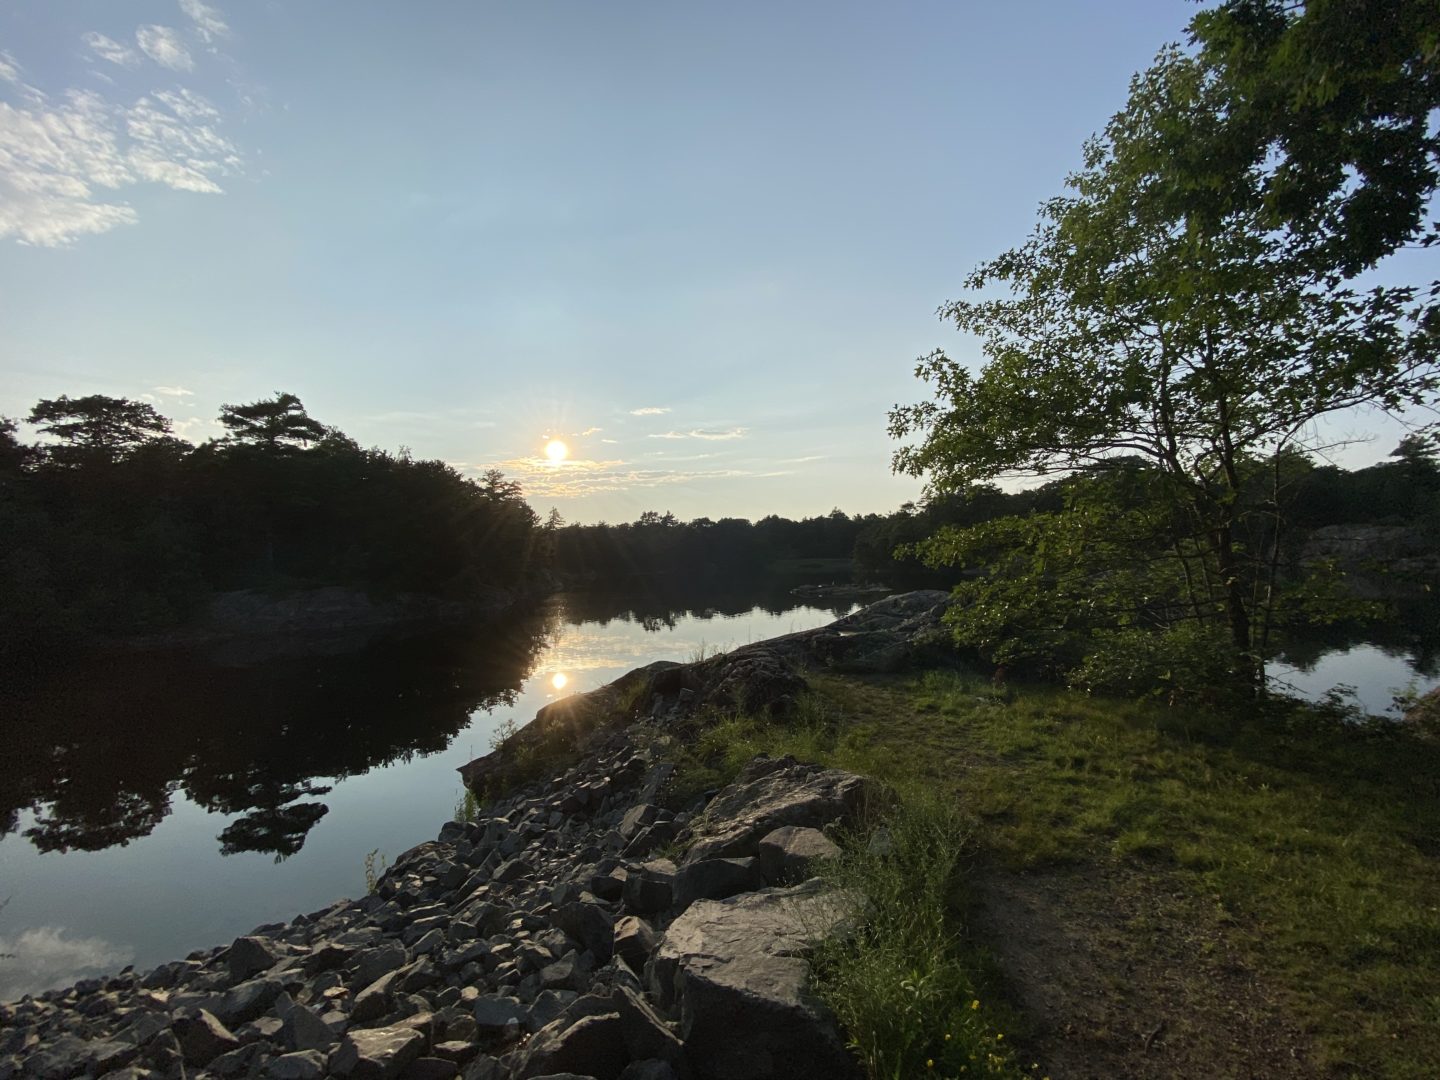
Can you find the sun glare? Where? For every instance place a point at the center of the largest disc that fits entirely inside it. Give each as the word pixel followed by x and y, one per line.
pixel 559 679
pixel 556 450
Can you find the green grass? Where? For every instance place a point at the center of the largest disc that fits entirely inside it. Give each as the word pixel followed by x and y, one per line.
pixel 1311 845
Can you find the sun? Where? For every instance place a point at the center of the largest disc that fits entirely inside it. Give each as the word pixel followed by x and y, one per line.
pixel 558 680
pixel 556 450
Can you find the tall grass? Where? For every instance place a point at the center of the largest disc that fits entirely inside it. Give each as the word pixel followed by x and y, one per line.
pixel 902 985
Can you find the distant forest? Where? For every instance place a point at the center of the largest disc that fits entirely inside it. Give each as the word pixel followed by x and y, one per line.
pixel 114 526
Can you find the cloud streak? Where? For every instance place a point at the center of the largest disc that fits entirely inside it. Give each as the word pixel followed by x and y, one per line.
pixel 163 45
pixel 208 23
pixel 703 433
pixel 110 49
pixel 579 478
pixel 44 958
pixel 60 158
pixel 650 411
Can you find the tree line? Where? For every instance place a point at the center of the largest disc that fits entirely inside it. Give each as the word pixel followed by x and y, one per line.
pixel 114 525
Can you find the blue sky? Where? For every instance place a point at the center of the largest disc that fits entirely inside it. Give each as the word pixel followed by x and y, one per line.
pixel 703 244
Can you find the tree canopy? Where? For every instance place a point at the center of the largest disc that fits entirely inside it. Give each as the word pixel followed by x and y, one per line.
pixel 1176 309
pixel 278 422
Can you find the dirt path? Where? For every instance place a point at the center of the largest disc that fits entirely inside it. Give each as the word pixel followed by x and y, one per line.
pixel 1120 979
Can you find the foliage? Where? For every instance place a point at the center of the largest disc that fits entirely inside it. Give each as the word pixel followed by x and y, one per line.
pixel 118 528
pixel 1190 335
pixel 97 428
pixel 374 871
pixel 902 984
pixel 276 423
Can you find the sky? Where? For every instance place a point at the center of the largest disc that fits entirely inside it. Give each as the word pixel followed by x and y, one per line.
pixel 700 244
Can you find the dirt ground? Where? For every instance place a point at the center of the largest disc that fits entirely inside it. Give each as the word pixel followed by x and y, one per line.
pixel 1120 979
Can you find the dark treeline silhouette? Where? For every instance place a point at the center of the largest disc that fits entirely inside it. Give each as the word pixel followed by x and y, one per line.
pixel 113 525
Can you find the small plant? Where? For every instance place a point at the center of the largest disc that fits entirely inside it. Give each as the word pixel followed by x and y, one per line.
pixel 503 732
pixel 375 865
pixel 467 807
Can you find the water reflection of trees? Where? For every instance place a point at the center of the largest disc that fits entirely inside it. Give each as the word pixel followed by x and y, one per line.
pixel 660 604
pixel 96 749
pixel 1411 633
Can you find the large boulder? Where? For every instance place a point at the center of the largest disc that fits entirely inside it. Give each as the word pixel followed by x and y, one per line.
pixel 736 973
pixel 770 793
pixel 377 1054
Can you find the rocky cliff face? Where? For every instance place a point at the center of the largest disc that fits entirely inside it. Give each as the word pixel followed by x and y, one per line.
pixel 553 937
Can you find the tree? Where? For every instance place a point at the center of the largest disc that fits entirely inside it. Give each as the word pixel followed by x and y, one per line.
pixel 276 423
pixel 1158 312
pixel 98 427
pixel 1334 99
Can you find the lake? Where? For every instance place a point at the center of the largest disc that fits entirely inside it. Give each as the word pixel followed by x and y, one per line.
pixel 157 803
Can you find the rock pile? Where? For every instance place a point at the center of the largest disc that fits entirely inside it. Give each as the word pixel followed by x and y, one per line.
pixel 548 939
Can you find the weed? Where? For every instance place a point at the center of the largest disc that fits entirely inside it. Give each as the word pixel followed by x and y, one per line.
pixel 467 807
pixel 375 865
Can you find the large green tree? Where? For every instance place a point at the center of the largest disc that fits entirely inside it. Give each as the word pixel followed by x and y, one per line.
pixel 276 423
pixel 98 427
pixel 1164 311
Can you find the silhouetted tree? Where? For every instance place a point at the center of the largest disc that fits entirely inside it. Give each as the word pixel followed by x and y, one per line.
pixel 278 422
pixel 97 427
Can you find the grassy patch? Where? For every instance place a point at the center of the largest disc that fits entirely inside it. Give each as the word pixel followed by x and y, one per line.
pixel 1310 844
pixel 906 990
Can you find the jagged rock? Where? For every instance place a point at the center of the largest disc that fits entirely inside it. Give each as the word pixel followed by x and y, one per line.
pixel 432 1068
pixel 245 1001
pixel 738 966
pixel 203 1037
pixel 787 854
pixel 715 879
pixel 303 1029
pixel 457 1050
pixel 500 1018
pixel 770 793
pixel 648 1070
pixel 634 941
pixel 302 1065
pixel 594 1044
pixel 377 1053
pixel 377 999
pixel 590 924
pixel 250 956
pixel 636 818
pixel 650 888
pixel 241 1062
pixel 379 961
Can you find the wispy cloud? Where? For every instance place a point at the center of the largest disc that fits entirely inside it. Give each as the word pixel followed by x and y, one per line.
pixel 578 478
pixel 173 391
pixel 110 49
pixel 208 23
pixel 589 431
pixel 650 411
pixel 703 433
pixel 42 958
pixel 57 156
pixel 163 45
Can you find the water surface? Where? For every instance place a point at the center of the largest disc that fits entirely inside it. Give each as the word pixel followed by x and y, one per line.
pixel 158 803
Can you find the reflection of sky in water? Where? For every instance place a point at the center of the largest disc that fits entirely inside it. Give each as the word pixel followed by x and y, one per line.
pixel 164 894
pixel 1376 674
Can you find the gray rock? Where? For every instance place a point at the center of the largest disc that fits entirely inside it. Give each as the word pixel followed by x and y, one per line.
pixel 770 793
pixel 377 999
pixel 594 1044
pixel 737 966
pixel 378 1053
pixel 635 819
pixel 304 1030
pixel 634 941
pixel 378 961
pixel 500 1019
pixel 250 956
pixel 590 924
pixel 245 1001
pixel 432 1068
pixel 302 1065
pixel 241 1062
pixel 650 888
pixel 788 854
pixel 203 1037
pixel 512 869
pixel 563 974
pixel 648 1070
pixel 715 879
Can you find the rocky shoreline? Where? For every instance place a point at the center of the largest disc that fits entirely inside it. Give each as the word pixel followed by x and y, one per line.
pixel 578 928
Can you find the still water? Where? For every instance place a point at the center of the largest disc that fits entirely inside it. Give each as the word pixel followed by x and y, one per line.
pixel 155 804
